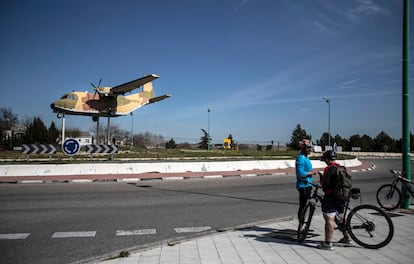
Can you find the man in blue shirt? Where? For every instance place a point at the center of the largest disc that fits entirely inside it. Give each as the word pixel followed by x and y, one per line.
pixel 304 173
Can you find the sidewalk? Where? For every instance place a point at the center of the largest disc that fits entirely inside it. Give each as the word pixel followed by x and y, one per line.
pixel 274 243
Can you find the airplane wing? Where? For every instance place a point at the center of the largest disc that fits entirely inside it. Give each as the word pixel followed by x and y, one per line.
pixel 129 86
pixel 159 98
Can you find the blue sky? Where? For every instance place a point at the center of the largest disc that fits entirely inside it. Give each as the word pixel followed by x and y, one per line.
pixel 262 66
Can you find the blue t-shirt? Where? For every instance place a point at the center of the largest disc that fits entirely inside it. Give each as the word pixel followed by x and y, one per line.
pixel 303 165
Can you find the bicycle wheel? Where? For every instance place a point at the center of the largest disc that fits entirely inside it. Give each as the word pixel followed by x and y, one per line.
pixel 370 226
pixel 388 197
pixel 305 222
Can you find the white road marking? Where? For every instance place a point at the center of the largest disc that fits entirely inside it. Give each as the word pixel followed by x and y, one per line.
pixel 248 175
pixel 14 236
pixel 80 234
pixel 192 229
pixel 81 181
pixel 213 177
pixel 128 180
pixel 30 181
pixel 172 178
pixel 74 234
pixel 139 232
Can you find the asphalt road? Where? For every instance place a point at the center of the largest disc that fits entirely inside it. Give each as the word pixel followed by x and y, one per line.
pixel 65 223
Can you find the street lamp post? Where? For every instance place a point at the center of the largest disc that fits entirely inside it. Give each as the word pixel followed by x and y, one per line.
pixel 132 130
pixel 208 130
pixel 328 100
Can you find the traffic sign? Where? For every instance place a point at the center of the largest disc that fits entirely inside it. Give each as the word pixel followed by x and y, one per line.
pixel 99 148
pixel 70 146
pixel 38 149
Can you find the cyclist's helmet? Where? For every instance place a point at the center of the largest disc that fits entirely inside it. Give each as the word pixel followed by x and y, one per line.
pixel 305 143
pixel 331 155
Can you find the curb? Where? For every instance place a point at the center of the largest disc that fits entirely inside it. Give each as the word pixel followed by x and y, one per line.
pixel 166 177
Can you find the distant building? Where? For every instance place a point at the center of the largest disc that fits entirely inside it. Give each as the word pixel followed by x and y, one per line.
pixel 84 139
pixel 17 131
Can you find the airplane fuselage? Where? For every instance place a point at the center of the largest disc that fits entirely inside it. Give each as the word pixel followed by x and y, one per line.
pixel 109 101
pixel 93 104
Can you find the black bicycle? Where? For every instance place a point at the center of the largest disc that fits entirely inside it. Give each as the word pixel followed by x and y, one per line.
pixel 389 195
pixel 368 225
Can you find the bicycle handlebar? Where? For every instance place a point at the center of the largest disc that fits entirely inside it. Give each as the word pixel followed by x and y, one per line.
pixel 400 175
pixel 396 171
pixel 316 194
pixel 316 185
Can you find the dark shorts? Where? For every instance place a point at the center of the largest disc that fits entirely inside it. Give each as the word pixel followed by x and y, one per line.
pixel 331 205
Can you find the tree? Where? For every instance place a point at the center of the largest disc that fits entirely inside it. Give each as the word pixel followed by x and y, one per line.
pixel 203 144
pixel 343 142
pixel 367 143
pixel 383 142
pixel 170 144
pixel 36 132
pixel 53 134
pixel 7 120
pixel 185 145
pixel 324 140
pixel 355 141
pixel 297 135
pixel 148 140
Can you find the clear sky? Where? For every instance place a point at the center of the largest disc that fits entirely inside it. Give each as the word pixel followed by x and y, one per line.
pixel 262 66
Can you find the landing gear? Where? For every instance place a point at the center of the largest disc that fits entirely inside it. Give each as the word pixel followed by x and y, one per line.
pixel 96 119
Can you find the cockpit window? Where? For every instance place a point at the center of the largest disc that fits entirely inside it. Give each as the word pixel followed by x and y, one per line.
pixel 70 96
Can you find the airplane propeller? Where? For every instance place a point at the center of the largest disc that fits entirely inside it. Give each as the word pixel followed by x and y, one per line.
pixel 96 87
pixel 99 84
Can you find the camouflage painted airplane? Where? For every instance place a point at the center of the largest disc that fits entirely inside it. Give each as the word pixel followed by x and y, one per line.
pixel 107 101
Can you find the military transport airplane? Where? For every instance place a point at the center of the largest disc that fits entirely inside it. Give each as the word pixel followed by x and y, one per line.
pixel 108 101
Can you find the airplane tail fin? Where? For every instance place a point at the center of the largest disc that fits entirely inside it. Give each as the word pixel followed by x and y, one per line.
pixel 147 90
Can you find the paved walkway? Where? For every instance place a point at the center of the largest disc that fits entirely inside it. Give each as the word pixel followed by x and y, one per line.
pixel 274 243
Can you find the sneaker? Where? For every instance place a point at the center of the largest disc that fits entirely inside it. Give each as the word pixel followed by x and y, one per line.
pixel 325 246
pixel 345 240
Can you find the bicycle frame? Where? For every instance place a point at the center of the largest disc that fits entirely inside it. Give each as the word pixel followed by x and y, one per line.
pixel 407 184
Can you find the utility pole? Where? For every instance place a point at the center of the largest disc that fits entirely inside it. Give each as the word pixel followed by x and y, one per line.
pixel 405 203
pixel 208 130
pixel 328 100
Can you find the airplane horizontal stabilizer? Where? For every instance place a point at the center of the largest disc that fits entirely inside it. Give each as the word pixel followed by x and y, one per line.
pixel 129 86
pixel 159 98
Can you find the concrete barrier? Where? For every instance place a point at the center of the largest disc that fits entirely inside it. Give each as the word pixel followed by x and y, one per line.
pixel 161 167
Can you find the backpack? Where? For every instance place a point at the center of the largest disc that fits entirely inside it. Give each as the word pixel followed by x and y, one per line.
pixel 342 184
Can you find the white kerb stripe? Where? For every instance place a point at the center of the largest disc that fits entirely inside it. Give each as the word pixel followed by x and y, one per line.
pixel 74 234
pixel 139 232
pixel 192 229
pixel 14 236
